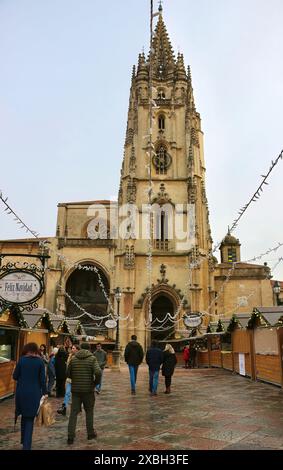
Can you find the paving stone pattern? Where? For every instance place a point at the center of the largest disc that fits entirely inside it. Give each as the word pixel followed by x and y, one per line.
pixel 208 409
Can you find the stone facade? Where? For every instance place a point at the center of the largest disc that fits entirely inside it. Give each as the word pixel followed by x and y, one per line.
pixel 178 177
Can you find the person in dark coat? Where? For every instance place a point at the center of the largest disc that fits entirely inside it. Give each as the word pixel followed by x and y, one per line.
pixel 154 359
pixel 31 386
pixel 168 366
pixel 133 357
pixel 51 373
pixel 61 371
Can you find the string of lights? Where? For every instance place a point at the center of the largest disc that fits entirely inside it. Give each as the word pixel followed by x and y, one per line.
pixel 256 195
pixel 191 266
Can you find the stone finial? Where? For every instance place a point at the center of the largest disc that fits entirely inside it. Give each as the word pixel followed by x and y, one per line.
pixel 180 68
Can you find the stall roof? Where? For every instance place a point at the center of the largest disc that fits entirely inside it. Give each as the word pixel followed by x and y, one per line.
pixel 214 324
pixel 270 314
pixel 18 314
pixel 57 320
pixel 226 322
pixel 73 326
pixel 33 317
pixel 173 340
pixel 243 319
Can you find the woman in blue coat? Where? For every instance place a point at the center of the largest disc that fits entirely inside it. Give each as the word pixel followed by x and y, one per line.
pixel 31 385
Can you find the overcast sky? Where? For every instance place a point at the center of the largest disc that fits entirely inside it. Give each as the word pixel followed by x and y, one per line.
pixel 65 70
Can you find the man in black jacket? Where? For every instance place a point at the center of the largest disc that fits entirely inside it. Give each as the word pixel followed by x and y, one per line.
pixel 154 359
pixel 133 357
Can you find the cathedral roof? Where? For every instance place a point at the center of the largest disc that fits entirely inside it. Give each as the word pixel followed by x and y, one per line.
pixel 86 203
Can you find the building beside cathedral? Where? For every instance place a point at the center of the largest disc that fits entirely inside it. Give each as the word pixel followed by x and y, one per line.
pixel 84 267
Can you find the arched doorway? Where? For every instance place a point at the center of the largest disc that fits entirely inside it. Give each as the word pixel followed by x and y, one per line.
pixel 84 288
pixel 160 307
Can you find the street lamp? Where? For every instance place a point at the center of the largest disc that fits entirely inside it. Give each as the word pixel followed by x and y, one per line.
pixel 116 352
pixel 277 290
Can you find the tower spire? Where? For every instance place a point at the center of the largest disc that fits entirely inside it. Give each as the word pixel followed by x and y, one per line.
pixel 162 55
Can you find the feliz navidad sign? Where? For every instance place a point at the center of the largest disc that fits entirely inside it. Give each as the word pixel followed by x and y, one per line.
pixel 19 287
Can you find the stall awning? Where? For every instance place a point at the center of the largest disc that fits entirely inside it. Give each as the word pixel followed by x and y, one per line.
pixel 74 326
pixel 34 317
pixel 271 315
pixel 243 319
pixel 57 321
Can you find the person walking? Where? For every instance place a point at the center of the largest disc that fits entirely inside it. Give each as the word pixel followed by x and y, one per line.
pixel 85 374
pixel 133 357
pixel 51 374
pixel 101 357
pixel 63 410
pixel 168 366
pixel 154 359
pixel 43 354
pixel 60 369
pixel 186 356
pixel 31 386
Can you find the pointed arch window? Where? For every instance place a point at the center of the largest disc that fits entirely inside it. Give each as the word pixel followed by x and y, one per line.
pixel 161 94
pixel 161 122
pixel 162 220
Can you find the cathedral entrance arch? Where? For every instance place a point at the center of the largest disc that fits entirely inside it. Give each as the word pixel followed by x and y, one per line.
pixel 85 289
pixel 162 326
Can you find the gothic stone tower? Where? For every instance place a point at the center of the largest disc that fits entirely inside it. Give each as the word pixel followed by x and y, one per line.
pixel 178 178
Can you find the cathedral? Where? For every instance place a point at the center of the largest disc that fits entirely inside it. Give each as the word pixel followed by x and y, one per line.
pixel 162 278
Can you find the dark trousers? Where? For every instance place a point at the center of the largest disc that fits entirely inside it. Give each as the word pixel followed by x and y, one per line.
pixel 168 380
pixel 26 432
pixel 51 382
pixel 88 400
pixel 60 388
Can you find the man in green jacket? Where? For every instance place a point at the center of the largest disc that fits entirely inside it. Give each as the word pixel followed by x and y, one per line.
pixel 85 373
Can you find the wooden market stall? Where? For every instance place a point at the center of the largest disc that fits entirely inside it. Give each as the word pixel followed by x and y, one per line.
pixel 38 328
pixel 213 335
pixel 11 320
pixel 226 346
pixel 242 346
pixel 198 346
pixel 267 323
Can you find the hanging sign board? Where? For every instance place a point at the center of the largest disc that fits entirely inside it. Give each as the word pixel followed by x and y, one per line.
pixel 19 287
pixel 110 324
pixel 242 364
pixel 192 320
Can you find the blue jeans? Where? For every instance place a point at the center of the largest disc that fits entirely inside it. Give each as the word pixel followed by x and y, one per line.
pixel 68 394
pixel 26 432
pixel 153 380
pixel 133 376
pixel 98 386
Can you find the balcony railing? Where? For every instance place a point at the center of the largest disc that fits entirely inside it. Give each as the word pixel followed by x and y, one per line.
pixel 162 245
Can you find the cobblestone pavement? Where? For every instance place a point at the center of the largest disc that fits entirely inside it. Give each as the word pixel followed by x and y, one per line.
pixel 208 409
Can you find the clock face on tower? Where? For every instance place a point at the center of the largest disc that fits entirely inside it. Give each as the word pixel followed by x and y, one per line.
pixel 162 160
